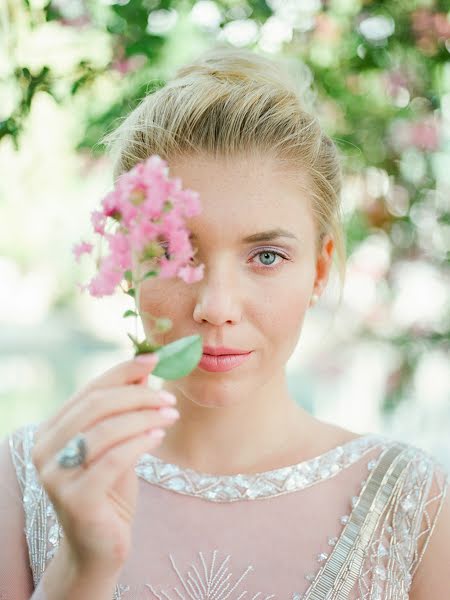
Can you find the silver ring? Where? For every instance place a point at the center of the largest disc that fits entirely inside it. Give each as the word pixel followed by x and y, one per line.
pixel 74 452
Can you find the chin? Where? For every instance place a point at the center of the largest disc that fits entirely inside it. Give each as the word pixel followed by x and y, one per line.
pixel 215 403
pixel 207 397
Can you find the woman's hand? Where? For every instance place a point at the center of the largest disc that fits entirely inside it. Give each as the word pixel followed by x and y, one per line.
pixel 95 502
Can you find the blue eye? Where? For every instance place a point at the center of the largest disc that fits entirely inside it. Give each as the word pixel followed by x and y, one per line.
pixel 267 252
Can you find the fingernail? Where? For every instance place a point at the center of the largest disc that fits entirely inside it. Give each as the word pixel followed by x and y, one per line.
pixel 157 433
pixel 150 358
pixel 167 397
pixel 169 412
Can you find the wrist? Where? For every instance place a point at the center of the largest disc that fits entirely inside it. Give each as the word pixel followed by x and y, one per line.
pixel 68 578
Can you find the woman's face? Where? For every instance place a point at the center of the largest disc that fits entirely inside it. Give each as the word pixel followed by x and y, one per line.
pixel 254 293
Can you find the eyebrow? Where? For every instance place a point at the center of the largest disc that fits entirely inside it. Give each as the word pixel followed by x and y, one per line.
pixel 264 236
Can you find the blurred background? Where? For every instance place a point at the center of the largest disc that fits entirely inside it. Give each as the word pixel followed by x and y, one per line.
pixel 378 74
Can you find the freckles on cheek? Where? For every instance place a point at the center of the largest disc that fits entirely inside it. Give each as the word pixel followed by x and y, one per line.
pixel 161 299
pixel 152 298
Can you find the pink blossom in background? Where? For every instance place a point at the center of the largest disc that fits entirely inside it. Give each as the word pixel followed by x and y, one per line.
pixel 420 134
pixel 397 80
pixel 133 63
pixel 425 135
pixel 431 29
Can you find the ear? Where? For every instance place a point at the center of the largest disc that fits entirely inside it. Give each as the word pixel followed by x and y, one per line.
pixel 323 264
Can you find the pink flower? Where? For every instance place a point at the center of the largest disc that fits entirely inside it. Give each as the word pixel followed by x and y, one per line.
pixel 142 233
pixel 98 220
pixel 191 274
pixel 108 278
pixel 168 268
pixel 120 249
pixel 148 207
pixel 190 202
pixel 82 248
pixel 110 203
pixel 180 245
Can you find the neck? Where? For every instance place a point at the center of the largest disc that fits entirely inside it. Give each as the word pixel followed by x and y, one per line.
pixel 250 435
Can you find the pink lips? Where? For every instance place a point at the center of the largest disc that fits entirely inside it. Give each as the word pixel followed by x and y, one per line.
pixel 221 363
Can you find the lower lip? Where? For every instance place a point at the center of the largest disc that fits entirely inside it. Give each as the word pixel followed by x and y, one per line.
pixel 225 362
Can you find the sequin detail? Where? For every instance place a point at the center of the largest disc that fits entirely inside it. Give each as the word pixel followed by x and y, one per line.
pixel 230 488
pixel 208 582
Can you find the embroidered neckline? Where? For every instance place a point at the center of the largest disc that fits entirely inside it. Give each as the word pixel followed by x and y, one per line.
pixel 266 484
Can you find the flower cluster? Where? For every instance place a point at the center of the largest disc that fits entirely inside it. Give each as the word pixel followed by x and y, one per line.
pixel 141 219
pixel 149 208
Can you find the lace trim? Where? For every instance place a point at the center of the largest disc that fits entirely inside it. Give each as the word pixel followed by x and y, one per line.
pixel 267 484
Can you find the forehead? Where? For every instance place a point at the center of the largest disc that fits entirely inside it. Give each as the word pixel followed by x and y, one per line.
pixel 245 195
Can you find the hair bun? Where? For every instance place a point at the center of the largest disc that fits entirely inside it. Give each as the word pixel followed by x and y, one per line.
pixel 246 67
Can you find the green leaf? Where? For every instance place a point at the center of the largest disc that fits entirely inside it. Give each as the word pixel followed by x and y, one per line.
pixel 130 313
pixel 150 274
pixel 130 292
pixel 179 358
pixel 128 275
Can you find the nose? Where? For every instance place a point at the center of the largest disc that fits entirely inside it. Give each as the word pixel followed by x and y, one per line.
pixel 218 296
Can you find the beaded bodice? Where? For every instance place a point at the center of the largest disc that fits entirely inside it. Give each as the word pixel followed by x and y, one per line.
pixel 352 523
pixel 231 488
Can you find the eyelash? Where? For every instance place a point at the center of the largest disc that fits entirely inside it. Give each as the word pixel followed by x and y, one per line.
pixel 270 251
pixel 260 251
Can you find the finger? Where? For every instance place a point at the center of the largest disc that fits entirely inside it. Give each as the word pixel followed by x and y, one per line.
pixel 132 371
pixel 95 407
pixel 105 471
pixel 116 430
pixel 127 372
pixel 89 484
pixel 110 432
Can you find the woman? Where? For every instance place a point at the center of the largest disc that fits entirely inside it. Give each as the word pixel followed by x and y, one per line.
pixel 246 495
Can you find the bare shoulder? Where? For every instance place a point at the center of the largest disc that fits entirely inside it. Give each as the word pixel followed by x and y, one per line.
pixel 326 436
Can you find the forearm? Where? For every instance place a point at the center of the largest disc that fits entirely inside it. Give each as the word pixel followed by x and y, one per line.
pixel 62 580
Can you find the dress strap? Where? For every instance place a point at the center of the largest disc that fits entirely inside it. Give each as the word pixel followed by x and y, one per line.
pixel 339 574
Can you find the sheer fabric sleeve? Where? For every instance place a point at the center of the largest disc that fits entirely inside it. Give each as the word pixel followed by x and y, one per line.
pixel 405 530
pixel 16 579
pixel 26 520
pixel 430 566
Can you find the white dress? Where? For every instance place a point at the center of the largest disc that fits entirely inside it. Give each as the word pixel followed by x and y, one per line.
pixel 352 523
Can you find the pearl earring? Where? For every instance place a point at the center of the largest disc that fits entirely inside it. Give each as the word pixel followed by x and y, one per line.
pixel 314 299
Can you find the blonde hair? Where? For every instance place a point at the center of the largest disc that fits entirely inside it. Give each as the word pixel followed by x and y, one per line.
pixel 233 101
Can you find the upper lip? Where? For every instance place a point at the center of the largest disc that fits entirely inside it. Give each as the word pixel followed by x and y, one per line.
pixel 218 350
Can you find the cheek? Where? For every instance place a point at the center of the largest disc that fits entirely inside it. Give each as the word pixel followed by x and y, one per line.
pixel 161 298
pixel 282 310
